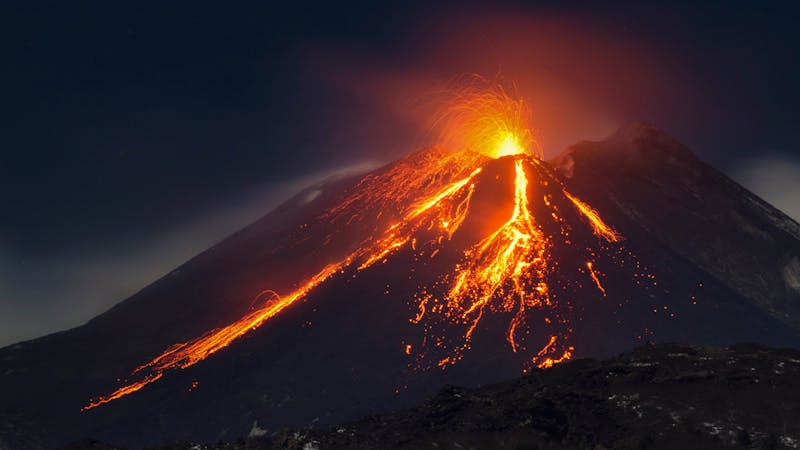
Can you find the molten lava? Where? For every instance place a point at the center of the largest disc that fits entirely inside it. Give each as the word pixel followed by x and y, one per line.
pixel 502 266
pixel 600 228
pixel 484 117
pixel 509 145
pixel 510 272
pixel 593 274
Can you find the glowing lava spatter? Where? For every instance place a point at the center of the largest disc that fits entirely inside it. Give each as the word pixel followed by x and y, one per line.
pixel 483 116
pixel 509 266
pixel 600 227
pixel 404 183
pixel 511 271
pixel 450 204
pixel 425 200
pixel 183 355
pixel 593 274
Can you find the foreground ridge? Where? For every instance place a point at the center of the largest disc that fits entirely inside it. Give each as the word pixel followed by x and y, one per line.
pixel 657 396
pixel 696 259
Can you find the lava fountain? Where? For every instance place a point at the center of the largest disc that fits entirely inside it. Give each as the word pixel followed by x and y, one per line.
pixel 484 117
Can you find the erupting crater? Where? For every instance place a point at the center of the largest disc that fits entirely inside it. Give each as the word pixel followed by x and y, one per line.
pixel 492 231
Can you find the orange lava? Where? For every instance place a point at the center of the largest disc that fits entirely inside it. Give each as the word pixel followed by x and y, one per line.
pixel 508 267
pixel 544 362
pixel 485 117
pixel 411 180
pixel 596 280
pixel 450 204
pixel 600 227
pixel 429 194
pixel 123 391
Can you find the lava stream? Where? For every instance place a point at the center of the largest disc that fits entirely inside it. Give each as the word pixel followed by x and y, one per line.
pixel 187 354
pixel 593 274
pixel 507 271
pixel 509 265
pixel 510 271
pixel 600 228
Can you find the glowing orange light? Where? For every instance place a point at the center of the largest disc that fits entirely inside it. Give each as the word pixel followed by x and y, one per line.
pixel 509 146
pixel 500 267
pixel 123 391
pixel 396 236
pixel 483 116
pixel 427 196
pixel 600 228
pixel 594 277
pixel 545 362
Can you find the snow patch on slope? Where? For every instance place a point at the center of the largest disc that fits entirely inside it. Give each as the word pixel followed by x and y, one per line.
pixel 791 274
pixel 777 218
pixel 256 431
pixel 774 176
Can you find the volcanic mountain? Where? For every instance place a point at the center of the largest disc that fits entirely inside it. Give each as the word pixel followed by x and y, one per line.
pixel 369 293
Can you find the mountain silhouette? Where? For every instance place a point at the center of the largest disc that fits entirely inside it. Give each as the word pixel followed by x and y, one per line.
pixel 368 294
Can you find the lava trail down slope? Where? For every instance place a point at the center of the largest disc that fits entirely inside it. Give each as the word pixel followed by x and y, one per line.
pixel 369 293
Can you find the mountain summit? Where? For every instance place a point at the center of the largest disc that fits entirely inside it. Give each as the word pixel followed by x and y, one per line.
pixel 368 294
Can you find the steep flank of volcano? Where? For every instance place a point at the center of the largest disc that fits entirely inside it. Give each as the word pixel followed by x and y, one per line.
pixel 367 294
pixel 738 238
pixel 499 237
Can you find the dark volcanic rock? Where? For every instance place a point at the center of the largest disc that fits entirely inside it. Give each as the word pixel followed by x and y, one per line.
pixel 696 211
pixel 725 266
pixel 659 396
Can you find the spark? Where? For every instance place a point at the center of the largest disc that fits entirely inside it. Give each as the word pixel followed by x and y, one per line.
pixel 485 116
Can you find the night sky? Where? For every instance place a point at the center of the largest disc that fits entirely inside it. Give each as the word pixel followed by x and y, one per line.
pixel 135 135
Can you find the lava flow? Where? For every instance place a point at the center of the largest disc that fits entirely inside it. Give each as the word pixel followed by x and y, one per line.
pixel 450 215
pixel 516 252
pixel 510 271
pixel 513 272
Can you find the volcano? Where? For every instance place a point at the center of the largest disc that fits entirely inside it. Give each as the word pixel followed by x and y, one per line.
pixel 367 294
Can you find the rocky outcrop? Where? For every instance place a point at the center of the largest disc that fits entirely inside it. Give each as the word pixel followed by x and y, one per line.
pixel 657 396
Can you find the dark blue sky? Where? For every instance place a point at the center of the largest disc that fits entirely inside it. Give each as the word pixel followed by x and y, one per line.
pixel 137 134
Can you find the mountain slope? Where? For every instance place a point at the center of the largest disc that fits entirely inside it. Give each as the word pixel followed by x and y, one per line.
pixel 657 396
pixel 439 268
pixel 696 211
